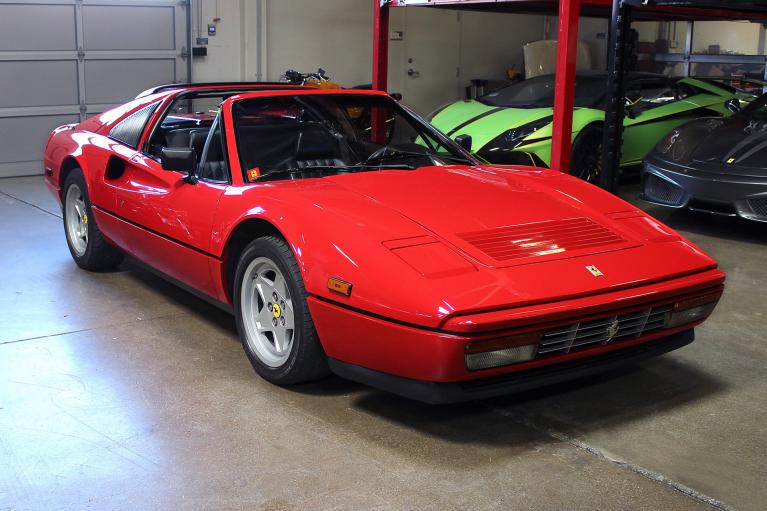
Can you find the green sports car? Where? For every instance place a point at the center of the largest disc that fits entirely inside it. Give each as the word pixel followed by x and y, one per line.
pixel 513 124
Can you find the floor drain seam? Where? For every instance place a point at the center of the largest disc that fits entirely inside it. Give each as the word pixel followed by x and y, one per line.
pixel 29 204
pixel 98 327
pixel 617 460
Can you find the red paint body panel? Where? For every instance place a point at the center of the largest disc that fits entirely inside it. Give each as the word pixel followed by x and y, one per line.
pixel 422 287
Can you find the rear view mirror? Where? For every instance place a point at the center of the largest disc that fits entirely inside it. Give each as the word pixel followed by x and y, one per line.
pixel 180 159
pixel 733 105
pixel 464 141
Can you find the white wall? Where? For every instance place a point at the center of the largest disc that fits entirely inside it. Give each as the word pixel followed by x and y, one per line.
pixel 333 34
pixel 492 43
pixel 733 36
pixel 592 31
pixel 740 37
pixel 260 39
pixel 226 48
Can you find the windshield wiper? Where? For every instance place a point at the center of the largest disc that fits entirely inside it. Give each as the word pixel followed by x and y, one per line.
pixel 410 154
pixel 332 168
pixel 295 170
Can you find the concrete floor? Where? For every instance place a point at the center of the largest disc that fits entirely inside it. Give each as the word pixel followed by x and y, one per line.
pixel 119 391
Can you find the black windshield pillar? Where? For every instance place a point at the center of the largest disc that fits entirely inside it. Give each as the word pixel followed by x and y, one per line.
pixel 617 67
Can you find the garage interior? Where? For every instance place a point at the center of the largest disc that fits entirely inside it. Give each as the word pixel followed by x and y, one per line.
pixel 119 390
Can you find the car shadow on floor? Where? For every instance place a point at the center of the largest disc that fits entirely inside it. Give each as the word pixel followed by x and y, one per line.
pixel 186 300
pixel 575 407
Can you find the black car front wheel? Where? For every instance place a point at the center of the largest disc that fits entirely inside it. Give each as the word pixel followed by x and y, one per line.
pixel 586 155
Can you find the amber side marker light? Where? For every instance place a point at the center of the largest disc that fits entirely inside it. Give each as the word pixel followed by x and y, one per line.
pixel 502 351
pixel 693 309
pixel 340 286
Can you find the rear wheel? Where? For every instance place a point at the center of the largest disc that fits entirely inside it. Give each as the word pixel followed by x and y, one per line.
pixel 273 317
pixel 586 156
pixel 88 247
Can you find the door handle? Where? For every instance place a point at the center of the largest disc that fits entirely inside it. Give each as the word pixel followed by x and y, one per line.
pixel 413 73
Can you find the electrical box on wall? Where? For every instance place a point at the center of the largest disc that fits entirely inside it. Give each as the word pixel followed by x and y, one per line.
pixel 199 51
pixel 211 29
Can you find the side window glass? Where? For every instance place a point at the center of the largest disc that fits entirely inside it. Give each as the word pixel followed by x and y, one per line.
pixel 213 163
pixel 186 123
pixel 654 95
pixel 129 130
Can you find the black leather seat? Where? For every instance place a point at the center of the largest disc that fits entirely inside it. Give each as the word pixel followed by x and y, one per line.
pixel 316 147
pixel 197 140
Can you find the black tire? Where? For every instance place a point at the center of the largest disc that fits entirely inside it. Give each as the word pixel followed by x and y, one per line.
pixel 99 254
pixel 586 154
pixel 307 360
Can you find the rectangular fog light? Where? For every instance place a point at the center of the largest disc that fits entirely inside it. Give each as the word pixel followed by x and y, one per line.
pixel 693 309
pixel 501 352
pixel 690 315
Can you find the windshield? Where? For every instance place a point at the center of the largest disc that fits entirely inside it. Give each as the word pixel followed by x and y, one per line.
pixel 309 135
pixel 538 92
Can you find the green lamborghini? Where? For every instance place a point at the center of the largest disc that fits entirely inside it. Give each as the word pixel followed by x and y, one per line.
pixel 513 124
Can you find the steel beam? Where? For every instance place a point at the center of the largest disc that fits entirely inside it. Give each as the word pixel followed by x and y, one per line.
pixel 620 24
pixel 380 44
pixel 564 88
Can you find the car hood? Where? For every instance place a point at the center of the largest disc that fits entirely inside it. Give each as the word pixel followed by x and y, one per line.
pixel 503 217
pixel 737 143
pixel 420 245
pixel 498 219
pixel 484 122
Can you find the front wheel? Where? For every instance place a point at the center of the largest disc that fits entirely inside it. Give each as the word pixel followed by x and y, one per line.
pixel 88 247
pixel 272 314
pixel 586 156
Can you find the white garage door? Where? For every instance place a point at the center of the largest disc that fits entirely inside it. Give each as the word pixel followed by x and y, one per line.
pixel 64 60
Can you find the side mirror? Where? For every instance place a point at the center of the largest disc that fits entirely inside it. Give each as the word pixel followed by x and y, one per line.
pixel 180 159
pixel 733 105
pixel 464 141
pixel 629 107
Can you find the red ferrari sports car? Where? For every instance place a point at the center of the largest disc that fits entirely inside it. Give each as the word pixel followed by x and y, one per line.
pixel 348 235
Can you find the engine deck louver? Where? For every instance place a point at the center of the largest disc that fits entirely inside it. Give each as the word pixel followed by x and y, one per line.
pixel 541 238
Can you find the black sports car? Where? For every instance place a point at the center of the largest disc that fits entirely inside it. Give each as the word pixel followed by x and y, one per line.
pixel 713 164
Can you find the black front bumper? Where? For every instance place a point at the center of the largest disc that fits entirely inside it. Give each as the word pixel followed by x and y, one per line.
pixel 442 393
pixel 712 189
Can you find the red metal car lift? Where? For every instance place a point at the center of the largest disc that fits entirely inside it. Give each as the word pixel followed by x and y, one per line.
pixel 619 11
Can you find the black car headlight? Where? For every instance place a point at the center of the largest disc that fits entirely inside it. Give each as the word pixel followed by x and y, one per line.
pixel 665 145
pixel 681 142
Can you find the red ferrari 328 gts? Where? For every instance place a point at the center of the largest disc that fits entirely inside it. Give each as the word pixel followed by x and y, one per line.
pixel 348 235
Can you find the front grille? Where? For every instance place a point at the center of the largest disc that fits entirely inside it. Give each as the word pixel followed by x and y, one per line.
pixel 759 206
pixel 541 238
pixel 564 339
pixel 659 190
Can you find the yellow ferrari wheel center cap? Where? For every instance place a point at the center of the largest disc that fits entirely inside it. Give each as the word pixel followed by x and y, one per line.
pixel 277 311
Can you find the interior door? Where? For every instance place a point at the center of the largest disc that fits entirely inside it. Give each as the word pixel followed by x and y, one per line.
pixel 431 59
pixel 167 221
